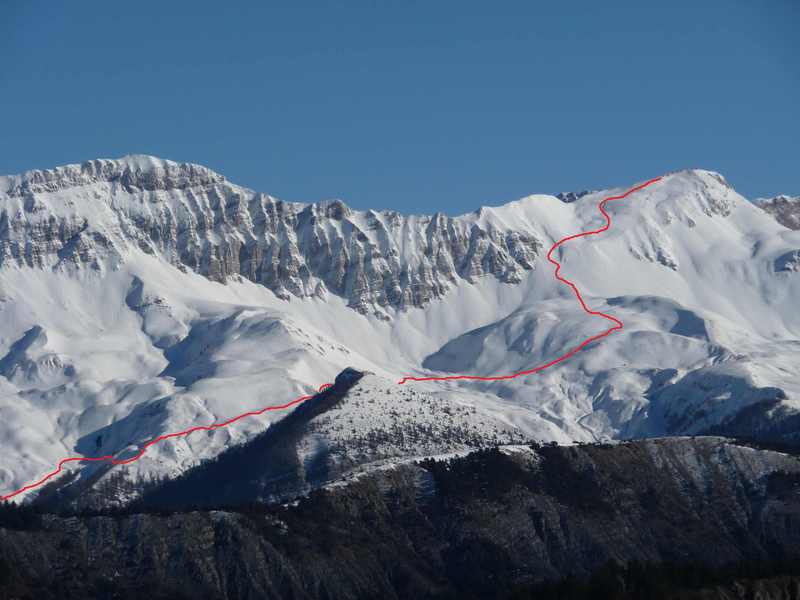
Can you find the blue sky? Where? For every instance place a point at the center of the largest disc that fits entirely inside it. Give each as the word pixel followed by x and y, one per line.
pixel 417 106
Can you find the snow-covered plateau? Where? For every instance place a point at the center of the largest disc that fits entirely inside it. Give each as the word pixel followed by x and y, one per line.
pixel 140 297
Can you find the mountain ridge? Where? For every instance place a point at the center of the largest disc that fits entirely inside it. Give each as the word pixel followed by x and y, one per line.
pixel 222 230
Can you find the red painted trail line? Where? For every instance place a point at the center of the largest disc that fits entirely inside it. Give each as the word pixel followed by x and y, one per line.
pixel 161 438
pixel 617 325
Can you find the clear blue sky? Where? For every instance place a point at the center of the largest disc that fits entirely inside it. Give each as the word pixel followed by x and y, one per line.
pixel 415 106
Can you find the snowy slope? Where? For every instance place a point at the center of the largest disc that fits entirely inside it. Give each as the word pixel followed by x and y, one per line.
pixel 140 297
pixel 360 423
pixel 699 277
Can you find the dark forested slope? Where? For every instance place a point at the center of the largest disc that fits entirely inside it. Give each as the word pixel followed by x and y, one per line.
pixel 624 520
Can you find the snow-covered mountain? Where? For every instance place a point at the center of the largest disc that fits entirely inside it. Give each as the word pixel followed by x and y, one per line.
pixel 140 296
pixel 95 213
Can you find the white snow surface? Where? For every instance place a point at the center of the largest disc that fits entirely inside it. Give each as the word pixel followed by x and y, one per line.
pixel 97 359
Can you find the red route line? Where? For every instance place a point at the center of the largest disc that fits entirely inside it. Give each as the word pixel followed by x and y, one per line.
pixel 617 325
pixel 161 438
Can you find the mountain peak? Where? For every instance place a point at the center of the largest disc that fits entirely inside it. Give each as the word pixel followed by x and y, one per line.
pixel 133 171
pixel 332 209
pixel 785 209
pixel 696 173
pixel 142 162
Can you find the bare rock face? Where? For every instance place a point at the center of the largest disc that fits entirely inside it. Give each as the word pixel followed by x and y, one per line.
pixel 785 209
pixel 90 215
pixel 569 197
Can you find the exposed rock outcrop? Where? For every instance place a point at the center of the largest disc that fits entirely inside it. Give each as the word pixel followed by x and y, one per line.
pixel 785 209
pixel 88 215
